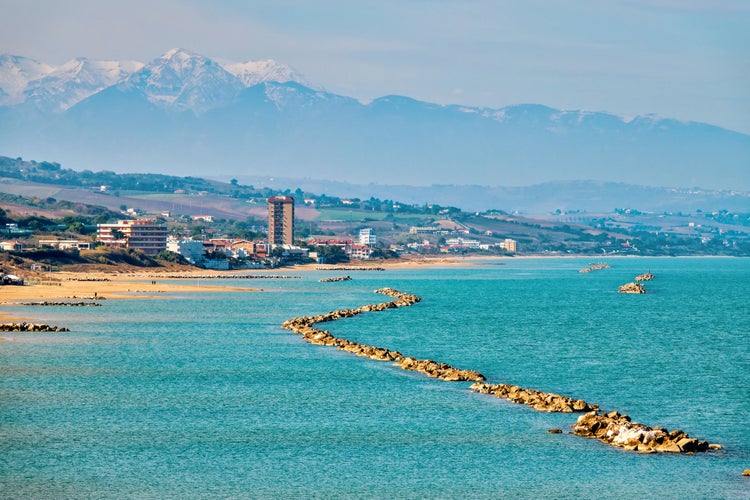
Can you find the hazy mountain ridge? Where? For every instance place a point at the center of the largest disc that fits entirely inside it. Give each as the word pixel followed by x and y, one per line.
pixel 187 114
pixel 24 80
pixel 570 196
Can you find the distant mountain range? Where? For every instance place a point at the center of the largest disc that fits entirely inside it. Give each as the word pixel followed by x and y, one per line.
pixel 186 114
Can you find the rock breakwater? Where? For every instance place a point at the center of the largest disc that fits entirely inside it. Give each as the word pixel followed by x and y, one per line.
pixel 617 430
pixel 595 266
pixel 632 288
pixel 337 278
pixel 350 268
pixel 611 428
pixel 538 400
pixel 69 304
pixel 31 327
pixel 304 326
pixel 223 276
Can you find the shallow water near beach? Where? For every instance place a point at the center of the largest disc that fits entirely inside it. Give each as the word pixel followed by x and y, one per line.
pixel 205 394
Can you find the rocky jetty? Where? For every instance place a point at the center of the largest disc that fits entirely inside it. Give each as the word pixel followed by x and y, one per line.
pixel 611 428
pixel 304 326
pixel 538 400
pixel 617 430
pixel 595 266
pixel 69 304
pixel 442 371
pixel 30 327
pixel 632 288
pixel 350 268
pixel 337 278
pixel 644 277
pixel 222 276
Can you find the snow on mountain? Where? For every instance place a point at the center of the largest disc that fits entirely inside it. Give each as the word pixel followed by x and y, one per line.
pixel 289 126
pixel 185 80
pixel 267 70
pixel 15 74
pixel 180 78
pixel 76 80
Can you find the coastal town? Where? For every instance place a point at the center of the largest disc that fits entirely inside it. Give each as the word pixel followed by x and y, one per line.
pixel 146 220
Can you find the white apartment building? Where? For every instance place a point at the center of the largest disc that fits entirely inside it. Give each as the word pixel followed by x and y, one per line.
pixel 367 237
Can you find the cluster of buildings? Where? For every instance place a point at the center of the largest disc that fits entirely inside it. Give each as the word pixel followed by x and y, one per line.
pixel 151 238
pixel 456 245
pixel 361 249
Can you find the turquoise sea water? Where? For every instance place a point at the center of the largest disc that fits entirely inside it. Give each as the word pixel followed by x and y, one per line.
pixel 204 395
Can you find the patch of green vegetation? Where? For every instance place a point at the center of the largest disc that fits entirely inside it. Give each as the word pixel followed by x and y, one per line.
pixel 342 214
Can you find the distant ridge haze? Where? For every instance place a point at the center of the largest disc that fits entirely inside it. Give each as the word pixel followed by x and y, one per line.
pixel 187 114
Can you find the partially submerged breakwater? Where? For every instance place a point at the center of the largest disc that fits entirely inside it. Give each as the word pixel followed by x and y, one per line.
pixel 223 276
pixel 538 400
pixel 31 327
pixel 611 428
pixel 304 326
pixel 618 430
pixel 637 285
pixel 350 268
pixel 595 266
pixel 68 304
pixel 336 278
pixel 634 287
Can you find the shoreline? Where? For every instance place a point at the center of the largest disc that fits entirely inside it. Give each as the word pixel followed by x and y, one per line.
pixel 145 283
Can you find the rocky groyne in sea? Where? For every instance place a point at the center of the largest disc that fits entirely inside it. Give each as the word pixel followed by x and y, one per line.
pixel 634 287
pixel 618 430
pixel 611 428
pixel 68 304
pixel 538 400
pixel 223 276
pixel 336 278
pixel 350 268
pixel 31 327
pixel 304 326
pixel 595 266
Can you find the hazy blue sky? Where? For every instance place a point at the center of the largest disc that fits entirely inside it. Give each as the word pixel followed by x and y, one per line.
pixel 686 59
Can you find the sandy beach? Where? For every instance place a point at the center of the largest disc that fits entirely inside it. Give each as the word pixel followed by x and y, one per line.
pixel 72 286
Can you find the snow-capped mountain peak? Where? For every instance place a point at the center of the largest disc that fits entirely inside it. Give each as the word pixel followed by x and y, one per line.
pixel 75 80
pixel 15 74
pixel 185 80
pixel 179 78
pixel 265 70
